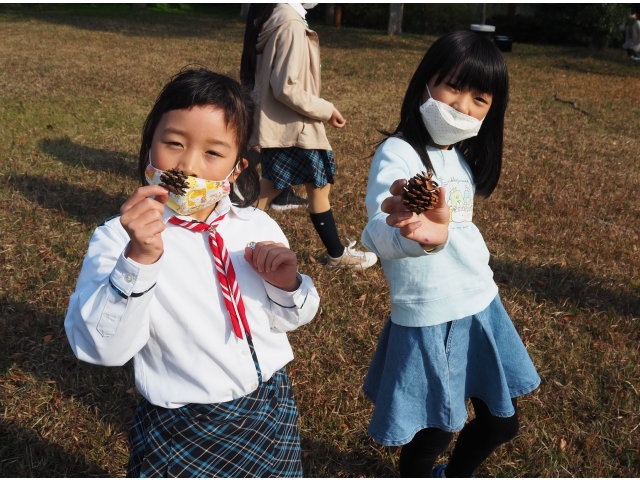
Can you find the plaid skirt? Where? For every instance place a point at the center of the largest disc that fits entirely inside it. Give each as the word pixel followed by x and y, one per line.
pixel 252 436
pixel 294 166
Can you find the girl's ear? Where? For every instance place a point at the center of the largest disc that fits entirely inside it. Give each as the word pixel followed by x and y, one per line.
pixel 240 166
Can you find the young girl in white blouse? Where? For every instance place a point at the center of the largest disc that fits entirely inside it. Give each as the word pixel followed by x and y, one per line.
pixel 199 290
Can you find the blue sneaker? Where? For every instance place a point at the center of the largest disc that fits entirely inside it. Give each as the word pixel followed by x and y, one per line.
pixel 438 472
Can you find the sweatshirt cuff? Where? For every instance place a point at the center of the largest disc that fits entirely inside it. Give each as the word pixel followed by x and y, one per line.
pixel 327 111
pixel 285 299
pixel 130 277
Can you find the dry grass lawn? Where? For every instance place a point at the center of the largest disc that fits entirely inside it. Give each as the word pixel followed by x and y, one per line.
pixel 562 227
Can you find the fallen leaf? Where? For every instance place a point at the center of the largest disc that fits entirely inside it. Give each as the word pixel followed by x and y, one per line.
pixel 311 259
pixel 18 356
pixel 563 444
pixel 131 391
pixel 540 283
pixel 49 127
pixel 313 357
pixel 352 228
pixel 47 338
pixel 363 297
pixel 568 316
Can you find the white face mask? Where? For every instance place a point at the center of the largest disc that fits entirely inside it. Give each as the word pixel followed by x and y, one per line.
pixel 199 195
pixel 445 124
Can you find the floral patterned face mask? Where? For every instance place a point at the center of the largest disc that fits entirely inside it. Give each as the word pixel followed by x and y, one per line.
pixel 199 194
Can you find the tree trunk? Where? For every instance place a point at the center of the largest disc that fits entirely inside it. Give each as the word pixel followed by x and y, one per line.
pixel 337 16
pixel 395 18
pixel 244 10
pixel 329 12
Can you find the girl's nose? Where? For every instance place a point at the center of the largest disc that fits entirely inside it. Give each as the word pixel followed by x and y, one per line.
pixel 188 163
pixel 463 103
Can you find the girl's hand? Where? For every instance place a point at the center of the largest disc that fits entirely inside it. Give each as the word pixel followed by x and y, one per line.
pixel 142 219
pixel 430 228
pixel 275 263
pixel 337 120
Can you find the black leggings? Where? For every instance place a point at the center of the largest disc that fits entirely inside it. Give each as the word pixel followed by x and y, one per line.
pixel 477 440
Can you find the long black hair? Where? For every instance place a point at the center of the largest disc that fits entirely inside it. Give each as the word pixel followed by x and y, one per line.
pixel 199 87
pixel 475 63
pixel 257 16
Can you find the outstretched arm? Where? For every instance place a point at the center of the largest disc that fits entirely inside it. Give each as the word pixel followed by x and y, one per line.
pixel 430 229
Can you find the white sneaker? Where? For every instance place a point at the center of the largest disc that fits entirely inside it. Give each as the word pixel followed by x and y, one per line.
pixel 352 258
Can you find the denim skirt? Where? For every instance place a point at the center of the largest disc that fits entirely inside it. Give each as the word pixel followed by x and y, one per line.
pixel 421 377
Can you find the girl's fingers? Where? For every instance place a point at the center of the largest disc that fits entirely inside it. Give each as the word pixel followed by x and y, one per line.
pixel 143 193
pixel 278 257
pixel 397 187
pixel 148 208
pixel 260 253
pixel 400 219
pixel 407 230
pixel 149 222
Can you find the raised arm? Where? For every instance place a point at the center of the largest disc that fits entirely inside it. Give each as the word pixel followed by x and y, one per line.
pixel 392 231
pixel 107 322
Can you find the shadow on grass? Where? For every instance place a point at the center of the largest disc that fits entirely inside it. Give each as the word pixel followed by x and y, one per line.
pixel 86 393
pixel 152 22
pixel 76 156
pixel 361 38
pixel 562 286
pixel 610 62
pixel 25 455
pixel 89 206
pixel 322 460
pixel 200 22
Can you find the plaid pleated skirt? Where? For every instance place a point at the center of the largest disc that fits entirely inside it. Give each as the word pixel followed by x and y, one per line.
pixel 294 166
pixel 252 436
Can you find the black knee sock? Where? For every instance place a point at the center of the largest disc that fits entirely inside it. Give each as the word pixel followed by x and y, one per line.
pixel 418 456
pixel 325 225
pixel 479 438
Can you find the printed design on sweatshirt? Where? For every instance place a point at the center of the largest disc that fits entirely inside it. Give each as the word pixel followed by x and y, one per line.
pixel 460 199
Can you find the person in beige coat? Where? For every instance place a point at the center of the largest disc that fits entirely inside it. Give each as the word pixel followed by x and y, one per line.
pixel 290 123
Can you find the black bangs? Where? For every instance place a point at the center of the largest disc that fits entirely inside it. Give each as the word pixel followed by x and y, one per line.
pixel 474 62
pixel 199 87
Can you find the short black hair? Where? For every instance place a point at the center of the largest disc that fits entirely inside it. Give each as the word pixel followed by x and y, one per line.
pixel 476 63
pixel 199 87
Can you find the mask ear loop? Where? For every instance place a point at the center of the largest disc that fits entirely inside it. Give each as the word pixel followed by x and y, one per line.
pixel 234 185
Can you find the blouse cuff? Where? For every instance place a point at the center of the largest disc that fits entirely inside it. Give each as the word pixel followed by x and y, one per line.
pixel 131 278
pixel 286 299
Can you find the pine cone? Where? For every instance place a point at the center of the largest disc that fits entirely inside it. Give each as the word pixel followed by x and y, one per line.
pixel 420 194
pixel 174 180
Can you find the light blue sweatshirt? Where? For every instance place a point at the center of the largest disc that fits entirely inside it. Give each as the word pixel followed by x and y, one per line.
pixel 455 280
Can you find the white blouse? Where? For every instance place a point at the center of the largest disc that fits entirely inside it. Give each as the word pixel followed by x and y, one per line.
pixel 179 332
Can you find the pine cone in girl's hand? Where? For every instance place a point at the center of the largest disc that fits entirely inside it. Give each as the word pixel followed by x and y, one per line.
pixel 174 180
pixel 420 194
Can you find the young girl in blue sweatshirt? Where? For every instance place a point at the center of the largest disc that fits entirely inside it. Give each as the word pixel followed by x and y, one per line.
pixel 448 338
